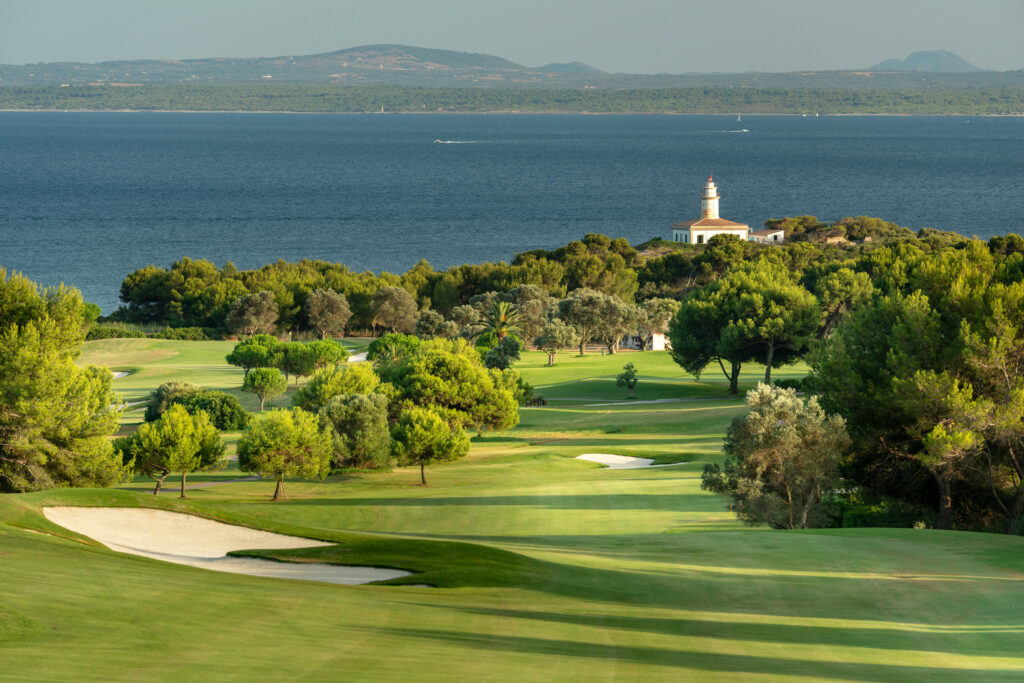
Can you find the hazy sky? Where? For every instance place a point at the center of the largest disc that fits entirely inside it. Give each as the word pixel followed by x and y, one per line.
pixel 636 36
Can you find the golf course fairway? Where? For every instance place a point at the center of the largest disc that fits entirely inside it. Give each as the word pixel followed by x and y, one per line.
pixel 525 563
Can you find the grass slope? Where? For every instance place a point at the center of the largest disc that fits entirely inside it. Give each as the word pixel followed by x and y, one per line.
pixel 546 567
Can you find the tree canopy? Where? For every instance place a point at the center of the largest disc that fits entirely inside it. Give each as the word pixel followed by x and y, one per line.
pixel 55 418
pixel 287 443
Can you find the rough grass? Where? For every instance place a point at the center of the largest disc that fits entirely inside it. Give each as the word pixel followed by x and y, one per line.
pixel 544 567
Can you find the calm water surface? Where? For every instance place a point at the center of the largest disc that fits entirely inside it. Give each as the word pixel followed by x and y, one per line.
pixel 87 197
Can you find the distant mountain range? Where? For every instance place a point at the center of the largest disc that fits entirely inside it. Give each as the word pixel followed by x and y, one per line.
pixel 932 61
pixel 416 66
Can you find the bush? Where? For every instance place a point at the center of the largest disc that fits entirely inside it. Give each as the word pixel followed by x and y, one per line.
pixel 795 384
pixel 393 346
pixel 189 333
pixel 857 511
pixel 166 395
pixel 225 412
pixel 113 331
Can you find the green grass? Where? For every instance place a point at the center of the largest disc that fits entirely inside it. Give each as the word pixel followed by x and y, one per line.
pixel 544 567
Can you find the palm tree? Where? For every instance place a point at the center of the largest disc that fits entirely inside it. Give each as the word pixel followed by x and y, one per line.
pixel 502 318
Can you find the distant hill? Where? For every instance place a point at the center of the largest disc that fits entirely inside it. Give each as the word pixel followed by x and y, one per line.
pixel 570 67
pixel 407 66
pixel 932 61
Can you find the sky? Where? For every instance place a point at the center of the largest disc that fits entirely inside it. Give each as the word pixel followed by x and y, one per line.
pixel 630 36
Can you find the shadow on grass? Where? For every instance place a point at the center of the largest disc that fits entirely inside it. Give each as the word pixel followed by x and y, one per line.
pixel 624 501
pixel 891 638
pixel 702 661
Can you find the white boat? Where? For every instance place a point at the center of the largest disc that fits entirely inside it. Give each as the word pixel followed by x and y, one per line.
pixel 739 117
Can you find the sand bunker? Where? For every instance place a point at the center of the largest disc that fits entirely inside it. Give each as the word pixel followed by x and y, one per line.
pixel 616 462
pixel 120 374
pixel 622 462
pixel 357 357
pixel 198 542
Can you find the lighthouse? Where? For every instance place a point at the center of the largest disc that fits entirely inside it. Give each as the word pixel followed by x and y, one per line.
pixel 709 200
pixel 709 224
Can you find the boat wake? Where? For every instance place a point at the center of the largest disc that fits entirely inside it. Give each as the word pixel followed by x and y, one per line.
pixel 456 142
pixel 741 130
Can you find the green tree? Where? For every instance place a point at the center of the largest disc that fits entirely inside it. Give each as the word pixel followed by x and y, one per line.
pixel 259 351
pixel 432 324
pixel 653 317
pixel 166 395
pixel 253 314
pixel 395 309
pixel 754 312
pixel 391 347
pixel 423 438
pixel 784 458
pixel 176 442
pixel 554 336
pixel 535 307
pixel 298 360
pixel 327 353
pixel 327 383
pixel 627 378
pixel 502 318
pixel 287 443
pixel 617 319
pixel 840 292
pixel 359 425
pixel 504 354
pixel 265 383
pixel 584 310
pixel 54 416
pixel 451 380
pixel 328 312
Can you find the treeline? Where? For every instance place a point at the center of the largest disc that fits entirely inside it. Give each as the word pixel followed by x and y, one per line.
pixel 917 344
pixel 197 297
pixel 354 99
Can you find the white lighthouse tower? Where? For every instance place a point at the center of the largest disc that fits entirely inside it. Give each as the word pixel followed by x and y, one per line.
pixel 709 224
pixel 709 200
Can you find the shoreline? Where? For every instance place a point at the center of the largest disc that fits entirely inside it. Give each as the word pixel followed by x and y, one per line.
pixel 518 112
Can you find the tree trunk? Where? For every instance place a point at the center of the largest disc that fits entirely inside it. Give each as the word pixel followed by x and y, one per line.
pixel 945 520
pixel 768 364
pixel 582 346
pixel 551 359
pixel 423 476
pixel 279 491
pixel 183 475
pixel 159 483
pixel 631 392
pixel 811 500
pixel 734 379
pixel 262 400
pixel 1016 523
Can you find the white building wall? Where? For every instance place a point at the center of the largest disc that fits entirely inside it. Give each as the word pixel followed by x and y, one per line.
pixel 708 233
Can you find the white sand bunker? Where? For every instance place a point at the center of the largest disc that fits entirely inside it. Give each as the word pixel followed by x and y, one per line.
pixel 616 462
pixel 623 462
pixel 204 543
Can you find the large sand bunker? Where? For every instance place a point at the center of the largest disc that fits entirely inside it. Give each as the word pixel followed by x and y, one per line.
pixel 199 542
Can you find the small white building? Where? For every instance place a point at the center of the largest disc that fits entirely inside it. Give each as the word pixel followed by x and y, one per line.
pixel 768 236
pixel 709 224
pixel 657 342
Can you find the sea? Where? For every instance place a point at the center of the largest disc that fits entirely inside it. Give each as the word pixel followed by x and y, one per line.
pixel 85 198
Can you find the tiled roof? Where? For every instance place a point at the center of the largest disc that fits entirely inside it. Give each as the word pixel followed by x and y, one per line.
pixel 712 223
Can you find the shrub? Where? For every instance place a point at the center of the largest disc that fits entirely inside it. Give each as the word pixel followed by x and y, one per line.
pixel 113 331
pixel 166 395
pixel 225 411
pixel 188 333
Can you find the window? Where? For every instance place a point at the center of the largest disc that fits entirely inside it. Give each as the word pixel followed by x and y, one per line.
pixel 700 239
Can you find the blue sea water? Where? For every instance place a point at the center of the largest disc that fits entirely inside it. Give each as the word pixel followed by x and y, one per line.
pixel 86 198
